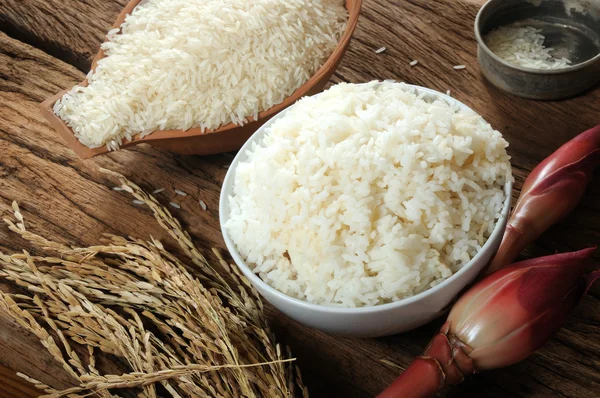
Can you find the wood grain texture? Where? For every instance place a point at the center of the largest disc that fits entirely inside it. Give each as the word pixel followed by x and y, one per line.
pixel 22 351
pixel 67 198
pixel 69 30
pixel 13 386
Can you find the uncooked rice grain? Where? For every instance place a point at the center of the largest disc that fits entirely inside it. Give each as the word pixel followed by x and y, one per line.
pixel 413 63
pixel 175 205
pixel 159 190
pixel 180 193
pixel 459 67
pixel 203 205
pixel 380 50
pixel 524 46
pixel 179 64
pixel 367 194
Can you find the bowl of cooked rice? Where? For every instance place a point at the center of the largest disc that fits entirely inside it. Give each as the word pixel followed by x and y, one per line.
pixel 364 210
pixel 540 49
pixel 200 76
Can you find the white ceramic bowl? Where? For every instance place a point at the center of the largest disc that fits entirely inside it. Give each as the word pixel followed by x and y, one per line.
pixel 380 320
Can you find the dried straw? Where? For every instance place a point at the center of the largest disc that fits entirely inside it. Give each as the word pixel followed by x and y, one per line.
pixel 182 328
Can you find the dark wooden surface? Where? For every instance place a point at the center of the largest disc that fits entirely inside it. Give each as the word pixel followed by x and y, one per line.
pixel 13 386
pixel 47 45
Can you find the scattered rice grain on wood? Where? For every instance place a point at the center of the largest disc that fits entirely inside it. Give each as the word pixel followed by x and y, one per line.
pixel 390 363
pixel 180 192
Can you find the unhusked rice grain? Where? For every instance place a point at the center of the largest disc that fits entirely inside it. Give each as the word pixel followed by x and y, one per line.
pixel 178 64
pixel 367 194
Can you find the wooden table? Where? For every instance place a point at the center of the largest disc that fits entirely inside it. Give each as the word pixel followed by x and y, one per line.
pixel 47 45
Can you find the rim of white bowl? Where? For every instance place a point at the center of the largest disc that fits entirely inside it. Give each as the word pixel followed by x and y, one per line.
pixel 256 280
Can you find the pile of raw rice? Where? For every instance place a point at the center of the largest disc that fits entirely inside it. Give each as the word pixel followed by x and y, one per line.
pixel 367 194
pixel 178 64
pixel 524 46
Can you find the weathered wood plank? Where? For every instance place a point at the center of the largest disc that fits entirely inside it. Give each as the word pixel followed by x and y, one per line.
pixel 26 354
pixel 69 30
pixel 69 199
pixel 12 386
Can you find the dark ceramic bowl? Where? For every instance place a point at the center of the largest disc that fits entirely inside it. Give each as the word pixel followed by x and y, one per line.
pixel 570 26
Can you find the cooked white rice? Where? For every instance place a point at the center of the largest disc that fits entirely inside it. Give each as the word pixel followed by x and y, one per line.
pixel 179 64
pixel 367 194
pixel 523 46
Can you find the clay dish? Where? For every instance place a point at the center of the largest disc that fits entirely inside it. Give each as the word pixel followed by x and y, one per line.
pixel 229 137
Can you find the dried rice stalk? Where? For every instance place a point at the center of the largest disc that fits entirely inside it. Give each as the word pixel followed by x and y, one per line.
pixel 181 327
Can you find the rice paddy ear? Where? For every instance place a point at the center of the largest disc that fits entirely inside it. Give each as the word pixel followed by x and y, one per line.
pixel 170 319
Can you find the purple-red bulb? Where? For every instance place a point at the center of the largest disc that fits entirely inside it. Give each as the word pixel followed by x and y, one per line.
pixel 550 193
